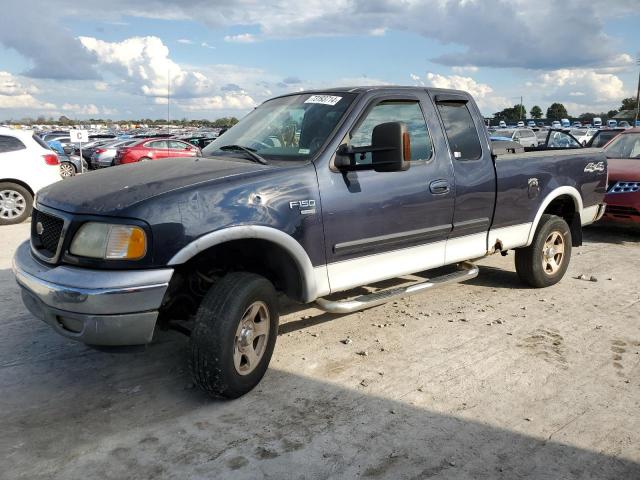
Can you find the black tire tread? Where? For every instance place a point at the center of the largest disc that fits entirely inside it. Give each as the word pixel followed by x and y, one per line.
pixel 207 343
pixel 527 258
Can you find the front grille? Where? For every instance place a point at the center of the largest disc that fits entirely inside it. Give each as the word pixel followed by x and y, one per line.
pixel 46 231
pixel 621 211
pixel 625 187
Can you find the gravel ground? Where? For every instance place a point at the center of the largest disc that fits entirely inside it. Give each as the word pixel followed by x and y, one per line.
pixel 487 379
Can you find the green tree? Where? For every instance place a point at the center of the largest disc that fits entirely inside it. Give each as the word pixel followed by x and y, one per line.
pixel 512 114
pixel 536 112
pixel 557 111
pixel 612 113
pixel 628 104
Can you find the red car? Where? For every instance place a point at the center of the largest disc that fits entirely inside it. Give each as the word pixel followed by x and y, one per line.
pixel 623 195
pixel 154 149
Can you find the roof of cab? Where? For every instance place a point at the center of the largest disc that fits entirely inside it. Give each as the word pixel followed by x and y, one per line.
pixel 373 88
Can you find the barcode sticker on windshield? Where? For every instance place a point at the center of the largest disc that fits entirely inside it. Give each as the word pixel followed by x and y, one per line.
pixel 323 99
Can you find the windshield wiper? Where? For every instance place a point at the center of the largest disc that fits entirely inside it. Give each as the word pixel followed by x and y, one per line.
pixel 249 151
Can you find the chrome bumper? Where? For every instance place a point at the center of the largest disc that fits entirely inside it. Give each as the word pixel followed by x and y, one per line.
pixel 97 307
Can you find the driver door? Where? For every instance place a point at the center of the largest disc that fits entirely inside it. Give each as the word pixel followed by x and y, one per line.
pixel 381 225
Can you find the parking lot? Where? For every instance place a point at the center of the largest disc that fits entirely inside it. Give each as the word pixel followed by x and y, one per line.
pixel 487 379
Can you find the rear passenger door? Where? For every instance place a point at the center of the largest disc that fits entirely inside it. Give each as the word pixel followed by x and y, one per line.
pixel 475 180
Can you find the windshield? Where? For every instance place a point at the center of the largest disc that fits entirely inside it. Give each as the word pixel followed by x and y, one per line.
pixel 286 128
pixel 624 146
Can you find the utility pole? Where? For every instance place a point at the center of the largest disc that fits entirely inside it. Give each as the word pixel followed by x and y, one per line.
pixel 168 92
pixel 637 98
pixel 521 107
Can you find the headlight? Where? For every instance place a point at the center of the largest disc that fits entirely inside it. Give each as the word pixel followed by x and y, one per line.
pixel 114 242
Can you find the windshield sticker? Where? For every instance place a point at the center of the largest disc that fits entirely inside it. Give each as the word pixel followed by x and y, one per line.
pixel 303 151
pixel 323 99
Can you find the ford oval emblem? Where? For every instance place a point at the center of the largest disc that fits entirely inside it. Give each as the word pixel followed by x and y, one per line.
pixel 39 228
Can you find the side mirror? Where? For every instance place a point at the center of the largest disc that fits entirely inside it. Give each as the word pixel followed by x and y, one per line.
pixel 391 147
pixel 390 150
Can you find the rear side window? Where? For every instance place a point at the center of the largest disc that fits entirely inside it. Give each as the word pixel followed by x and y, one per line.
pixel 10 144
pixel 177 145
pixel 461 131
pixel 157 144
pixel 41 142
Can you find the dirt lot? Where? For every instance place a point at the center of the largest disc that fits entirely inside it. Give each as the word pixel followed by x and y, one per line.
pixel 483 380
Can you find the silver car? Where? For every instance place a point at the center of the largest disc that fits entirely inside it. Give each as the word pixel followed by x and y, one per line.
pixel 103 156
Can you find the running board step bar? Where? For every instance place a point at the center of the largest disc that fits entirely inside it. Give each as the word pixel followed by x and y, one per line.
pixel 467 271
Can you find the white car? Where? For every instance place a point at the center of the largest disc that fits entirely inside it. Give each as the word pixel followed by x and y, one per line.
pixel 520 124
pixel 583 135
pixel 524 136
pixel 27 164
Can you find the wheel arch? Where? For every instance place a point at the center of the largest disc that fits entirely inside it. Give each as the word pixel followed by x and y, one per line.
pixel 18 182
pixel 565 202
pixel 280 254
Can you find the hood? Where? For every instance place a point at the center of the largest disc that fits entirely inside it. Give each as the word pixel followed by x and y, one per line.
pixel 624 169
pixel 117 188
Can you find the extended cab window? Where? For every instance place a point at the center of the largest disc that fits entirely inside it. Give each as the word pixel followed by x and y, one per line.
pixel 461 131
pixel 408 112
pixel 10 144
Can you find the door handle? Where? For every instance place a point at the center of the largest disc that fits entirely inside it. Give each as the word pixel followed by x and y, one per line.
pixel 439 187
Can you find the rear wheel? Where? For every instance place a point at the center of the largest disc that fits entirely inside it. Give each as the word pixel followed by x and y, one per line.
pixel 67 169
pixel 15 203
pixel 144 159
pixel 545 261
pixel 234 335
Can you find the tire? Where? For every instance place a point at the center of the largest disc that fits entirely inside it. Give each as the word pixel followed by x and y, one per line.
pixel 15 203
pixel 67 170
pixel 144 159
pixel 536 264
pixel 219 338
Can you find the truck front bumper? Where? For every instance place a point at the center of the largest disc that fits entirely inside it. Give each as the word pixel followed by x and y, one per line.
pixel 96 307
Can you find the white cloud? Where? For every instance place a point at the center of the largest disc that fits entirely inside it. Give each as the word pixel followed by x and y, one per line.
pixel 101 86
pixel 185 41
pixel 482 93
pixel 600 88
pixel 206 45
pixel 145 62
pixel 17 95
pixel 240 38
pixel 232 101
pixel 75 109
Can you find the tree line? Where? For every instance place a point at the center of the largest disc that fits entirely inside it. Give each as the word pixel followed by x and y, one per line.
pixel 557 111
pixel 67 122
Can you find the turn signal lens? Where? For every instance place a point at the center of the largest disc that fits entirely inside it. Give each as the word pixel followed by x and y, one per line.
pixel 125 242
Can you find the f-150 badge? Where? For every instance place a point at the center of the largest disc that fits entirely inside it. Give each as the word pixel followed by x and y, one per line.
pixel 306 206
pixel 594 167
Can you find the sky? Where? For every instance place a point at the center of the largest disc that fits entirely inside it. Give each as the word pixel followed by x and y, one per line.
pixel 118 59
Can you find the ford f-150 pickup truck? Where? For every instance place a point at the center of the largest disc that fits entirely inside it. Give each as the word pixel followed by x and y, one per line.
pixel 311 194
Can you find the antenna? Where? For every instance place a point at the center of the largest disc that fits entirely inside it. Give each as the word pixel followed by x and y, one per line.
pixel 635 123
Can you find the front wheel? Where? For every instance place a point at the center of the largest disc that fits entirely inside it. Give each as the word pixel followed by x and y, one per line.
pixel 234 335
pixel 545 261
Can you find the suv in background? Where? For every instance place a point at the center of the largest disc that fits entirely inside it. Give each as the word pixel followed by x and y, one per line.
pixel 154 149
pixel 27 164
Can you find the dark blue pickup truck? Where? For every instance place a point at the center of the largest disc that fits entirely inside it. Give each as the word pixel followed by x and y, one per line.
pixel 310 194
